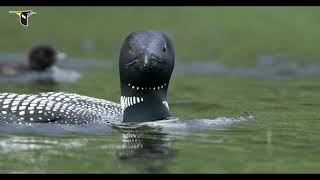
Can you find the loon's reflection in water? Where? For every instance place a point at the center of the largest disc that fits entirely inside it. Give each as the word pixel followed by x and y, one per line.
pixel 147 145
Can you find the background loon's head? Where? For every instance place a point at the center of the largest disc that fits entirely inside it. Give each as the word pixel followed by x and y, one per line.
pixel 146 63
pixel 43 56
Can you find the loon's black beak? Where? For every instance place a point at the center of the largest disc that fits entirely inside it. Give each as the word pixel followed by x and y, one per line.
pixel 149 61
pixel 143 61
pixel 146 60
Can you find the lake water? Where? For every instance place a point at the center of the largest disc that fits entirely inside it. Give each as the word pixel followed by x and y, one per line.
pixel 229 121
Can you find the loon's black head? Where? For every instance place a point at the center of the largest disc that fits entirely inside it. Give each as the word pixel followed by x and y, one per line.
pixel 42 57
pixel 146 63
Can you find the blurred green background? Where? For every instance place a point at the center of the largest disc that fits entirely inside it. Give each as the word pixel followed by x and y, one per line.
pixel 233 35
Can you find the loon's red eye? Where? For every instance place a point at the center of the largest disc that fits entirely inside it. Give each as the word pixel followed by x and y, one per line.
pixel 164 48
pixel 130 48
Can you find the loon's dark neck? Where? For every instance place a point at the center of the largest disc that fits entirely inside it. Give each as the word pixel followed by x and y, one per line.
pixel 146 62
pixel 141 104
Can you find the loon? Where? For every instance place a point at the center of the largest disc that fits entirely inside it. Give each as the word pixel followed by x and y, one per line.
pixel 41 57
pixel 146 63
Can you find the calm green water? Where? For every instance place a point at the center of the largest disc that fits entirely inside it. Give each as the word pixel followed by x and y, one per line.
pixel 282 136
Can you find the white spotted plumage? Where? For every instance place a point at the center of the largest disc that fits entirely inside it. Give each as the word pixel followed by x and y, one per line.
pixel 66 108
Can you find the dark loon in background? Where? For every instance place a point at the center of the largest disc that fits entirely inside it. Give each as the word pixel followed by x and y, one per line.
pixel 146 62
pixel 41 57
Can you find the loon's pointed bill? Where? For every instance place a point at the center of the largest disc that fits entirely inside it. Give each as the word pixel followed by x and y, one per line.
pixel 146 63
